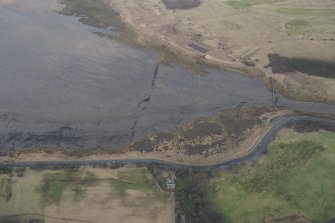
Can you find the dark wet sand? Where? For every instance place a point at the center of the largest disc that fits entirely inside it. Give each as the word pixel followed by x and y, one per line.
pixel 63 85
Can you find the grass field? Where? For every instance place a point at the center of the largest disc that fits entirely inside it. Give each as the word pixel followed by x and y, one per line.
pixel 84 195
pixel 54 185
pixel 295 178
pixel 296 27
pixel 134 179
pixel 6 188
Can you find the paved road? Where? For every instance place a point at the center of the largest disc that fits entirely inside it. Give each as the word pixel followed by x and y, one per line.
pixel 260 148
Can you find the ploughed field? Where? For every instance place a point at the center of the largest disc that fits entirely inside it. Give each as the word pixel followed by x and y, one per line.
pixel 70 77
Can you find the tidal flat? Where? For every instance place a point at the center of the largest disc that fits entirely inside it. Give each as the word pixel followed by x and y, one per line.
pixel 64 86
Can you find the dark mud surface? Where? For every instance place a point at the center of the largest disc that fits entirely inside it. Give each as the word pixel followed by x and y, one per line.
pixel 64 86
pixel 206 136
pixel 181 4
pixel 280 64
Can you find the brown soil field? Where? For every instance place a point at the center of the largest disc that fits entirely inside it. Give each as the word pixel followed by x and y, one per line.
pixel 290 40
pixel 109 197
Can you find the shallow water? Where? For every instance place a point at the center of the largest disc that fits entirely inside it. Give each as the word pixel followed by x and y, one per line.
pixel 63 85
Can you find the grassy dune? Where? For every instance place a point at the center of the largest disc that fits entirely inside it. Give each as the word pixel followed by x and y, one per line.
pixel 296 176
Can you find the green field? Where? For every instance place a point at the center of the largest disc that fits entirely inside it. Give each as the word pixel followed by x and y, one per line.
pixel 295 178
pixel 76 181
pixel 54 185
pixel 306 12
pixel 241 4
pixel 134 179
pixel 83 195
pixel 296 27
pixel 6 188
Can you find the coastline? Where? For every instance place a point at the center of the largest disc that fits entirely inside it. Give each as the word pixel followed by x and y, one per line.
pixel 171 155
pixel 300 87
pixel 256 149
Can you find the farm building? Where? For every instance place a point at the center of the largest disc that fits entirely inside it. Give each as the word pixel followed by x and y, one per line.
pixel 171 183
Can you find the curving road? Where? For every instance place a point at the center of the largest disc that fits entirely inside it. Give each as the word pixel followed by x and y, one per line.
pixel 277 124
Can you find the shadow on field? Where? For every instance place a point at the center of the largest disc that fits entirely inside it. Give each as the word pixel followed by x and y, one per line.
pixel 280 64
pixel 310 127
pixel 192 202
pixel 17 219
pixel 181 4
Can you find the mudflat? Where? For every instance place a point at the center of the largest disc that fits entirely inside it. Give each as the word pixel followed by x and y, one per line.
pixel 68 82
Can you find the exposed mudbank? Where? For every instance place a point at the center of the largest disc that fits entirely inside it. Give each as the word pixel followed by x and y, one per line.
pixel 280 64
pixel 207 136
pixel 101 15
pixel 181 4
